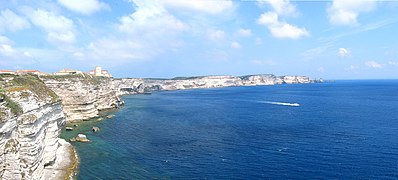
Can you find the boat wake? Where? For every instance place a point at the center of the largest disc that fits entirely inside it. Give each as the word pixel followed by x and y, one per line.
pixel 282 103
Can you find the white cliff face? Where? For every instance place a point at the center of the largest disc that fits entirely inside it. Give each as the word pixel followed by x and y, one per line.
pixel 258 80
pixel 296 79
pixel 134 86
pixel 199 82
pixel 29 141
pixel 84 97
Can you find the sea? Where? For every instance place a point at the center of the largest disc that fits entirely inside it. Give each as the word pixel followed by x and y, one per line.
pixel 335 130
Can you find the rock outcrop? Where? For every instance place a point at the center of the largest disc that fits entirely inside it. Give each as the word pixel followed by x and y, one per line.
pixel 95 129
pixel 31 120
pixel 84 96
pixel 80 138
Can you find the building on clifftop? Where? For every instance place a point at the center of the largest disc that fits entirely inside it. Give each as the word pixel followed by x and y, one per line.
pixel 67 72
pixel 7 72
pixel 35 72
pixel 98 71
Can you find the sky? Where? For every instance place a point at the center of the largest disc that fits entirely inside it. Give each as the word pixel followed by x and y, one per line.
pixel 336 39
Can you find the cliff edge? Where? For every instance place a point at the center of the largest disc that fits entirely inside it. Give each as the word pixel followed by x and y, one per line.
pixel 83 96
pixel 140 85
pixel 31 120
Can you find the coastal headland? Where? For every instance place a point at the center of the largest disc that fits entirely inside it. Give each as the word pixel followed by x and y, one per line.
pixel 35 108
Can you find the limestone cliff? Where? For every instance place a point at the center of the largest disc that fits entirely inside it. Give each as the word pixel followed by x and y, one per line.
pixel 31 120
pixel 83 96
pixel 134 86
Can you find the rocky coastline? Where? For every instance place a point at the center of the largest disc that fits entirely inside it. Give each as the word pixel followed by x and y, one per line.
pixel 34 110
pixel 31 120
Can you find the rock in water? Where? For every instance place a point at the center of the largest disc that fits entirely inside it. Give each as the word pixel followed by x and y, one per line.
pixel 69 128
pixel 95 129
pixel 110 116
pixel 82 138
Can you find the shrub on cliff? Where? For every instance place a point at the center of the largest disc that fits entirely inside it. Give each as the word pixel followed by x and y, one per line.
pixel 34 84
pixel 13 106
pixel 13 83
pixel 86 78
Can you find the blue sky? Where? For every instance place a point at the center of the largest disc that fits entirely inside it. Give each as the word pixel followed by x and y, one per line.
pixel 340 39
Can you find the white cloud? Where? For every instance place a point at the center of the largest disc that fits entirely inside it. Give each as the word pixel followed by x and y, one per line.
pixel 150 18
pixel 373 64
pixel 112 48
pixel 345 12
pixel 153 28
pixel 60 30
pixel 215 35
pixel 288 31
pixel 244 32
pixel 209 7
pixel 85 7
pixel 320 69
pixel 49 21
pixel 281 7
pixel 343 52
pixel 6 49
pixel 149 31
pixel 235 45
pixel 8 52
pixel 268 18
pixel 5 40
pixel 277 27
pixel 281 29
pixel 12 22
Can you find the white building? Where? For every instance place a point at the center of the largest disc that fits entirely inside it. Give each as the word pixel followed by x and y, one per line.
pixel 67 72
pixel 7 72
pixel 98 71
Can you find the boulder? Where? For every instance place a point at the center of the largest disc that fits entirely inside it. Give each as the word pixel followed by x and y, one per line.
pixel 110 116
pixel 82 138
pixel 69 128
pixel 95 129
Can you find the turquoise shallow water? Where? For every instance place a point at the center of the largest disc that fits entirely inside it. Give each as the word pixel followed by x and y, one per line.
pixel 342 130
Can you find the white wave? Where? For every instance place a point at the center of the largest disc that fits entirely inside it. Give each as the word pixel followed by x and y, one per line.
pixel 282 103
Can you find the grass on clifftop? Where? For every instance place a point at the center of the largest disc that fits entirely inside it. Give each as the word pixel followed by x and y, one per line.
pixel 27 82
pixel 77 77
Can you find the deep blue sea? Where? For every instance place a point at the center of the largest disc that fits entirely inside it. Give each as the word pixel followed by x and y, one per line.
pixel 340 130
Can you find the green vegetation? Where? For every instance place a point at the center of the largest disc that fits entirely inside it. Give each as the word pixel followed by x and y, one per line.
pixel 15 108
pixel 11 146
pixel 77 77
pixel 188 78
pixel 34 84
pixel 63 77
pixel 2 116
pixel 12 83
